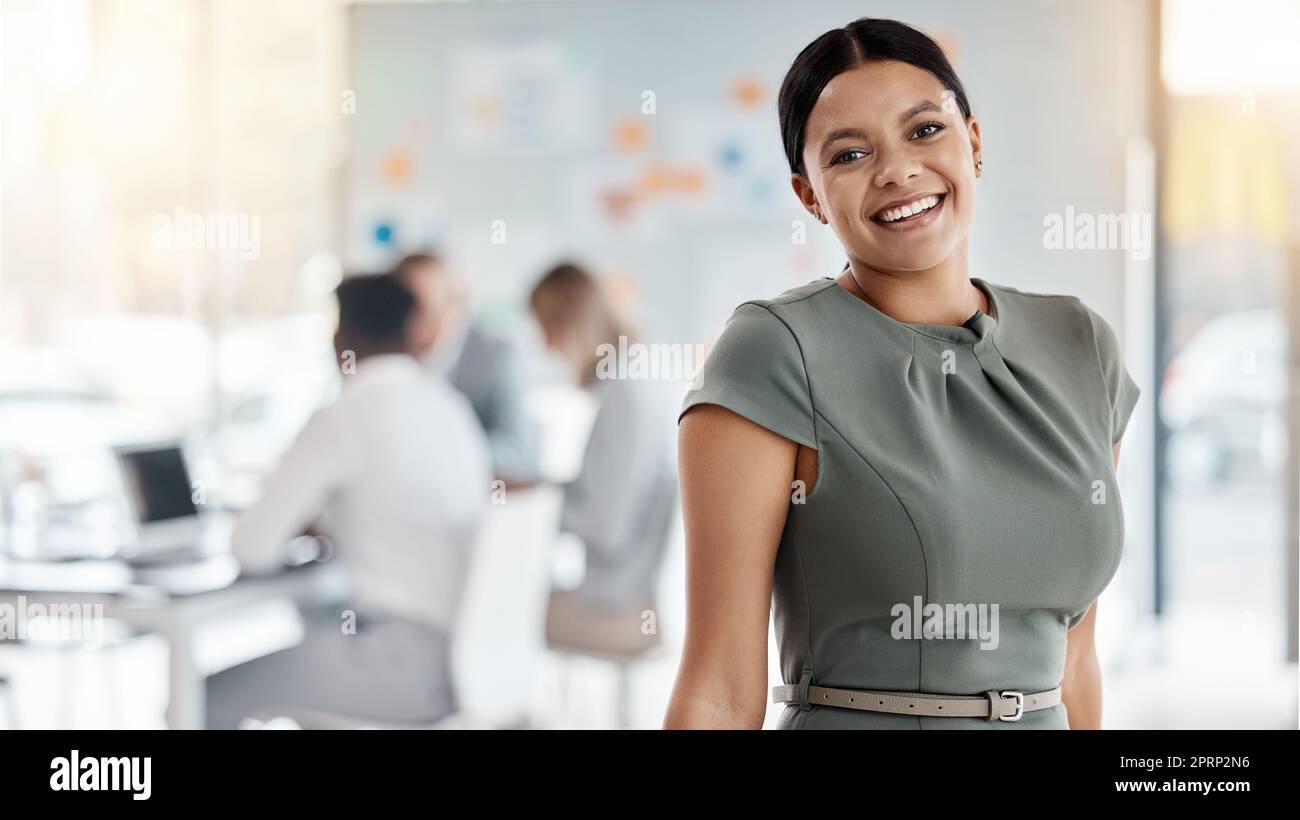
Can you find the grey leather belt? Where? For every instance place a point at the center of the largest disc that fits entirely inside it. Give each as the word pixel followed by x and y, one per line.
pixel 1006 705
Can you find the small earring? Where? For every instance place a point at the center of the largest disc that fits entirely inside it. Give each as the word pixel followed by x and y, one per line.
pixel 818 215
pixel 979 165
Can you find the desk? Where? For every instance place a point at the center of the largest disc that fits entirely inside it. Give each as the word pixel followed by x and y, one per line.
pixel 176 617
pixel 498 650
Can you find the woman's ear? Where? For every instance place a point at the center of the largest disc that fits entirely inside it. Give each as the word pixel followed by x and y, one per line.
pixel 804 190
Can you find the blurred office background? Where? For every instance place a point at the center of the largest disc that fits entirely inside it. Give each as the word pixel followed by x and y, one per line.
pixel 641 138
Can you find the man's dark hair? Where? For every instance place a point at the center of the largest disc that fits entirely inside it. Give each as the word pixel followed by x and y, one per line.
pixel 373 311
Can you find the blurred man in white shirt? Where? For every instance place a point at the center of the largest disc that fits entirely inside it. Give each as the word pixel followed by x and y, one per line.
pixel 397 474
pixel 487 369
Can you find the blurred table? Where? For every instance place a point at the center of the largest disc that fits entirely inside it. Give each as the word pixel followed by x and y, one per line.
pixel 172 602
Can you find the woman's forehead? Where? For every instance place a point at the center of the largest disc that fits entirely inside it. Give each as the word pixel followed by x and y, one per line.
pixel 875 92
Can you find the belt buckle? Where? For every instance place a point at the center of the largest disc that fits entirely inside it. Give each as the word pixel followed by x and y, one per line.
pixel 1020 704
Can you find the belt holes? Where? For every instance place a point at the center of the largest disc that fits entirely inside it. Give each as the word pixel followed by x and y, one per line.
pixel 940 708
pixel 882 703
pixel 851 700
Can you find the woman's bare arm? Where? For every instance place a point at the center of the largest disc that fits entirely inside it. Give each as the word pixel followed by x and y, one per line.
pixel 735 482
pixel 1081 688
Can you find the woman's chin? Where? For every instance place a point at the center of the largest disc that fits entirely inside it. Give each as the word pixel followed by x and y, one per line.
pixel 914 259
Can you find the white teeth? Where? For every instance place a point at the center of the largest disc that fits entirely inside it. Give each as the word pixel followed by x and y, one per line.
pixel 922 204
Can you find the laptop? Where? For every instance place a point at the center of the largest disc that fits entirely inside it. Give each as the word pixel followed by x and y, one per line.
pixel 160 494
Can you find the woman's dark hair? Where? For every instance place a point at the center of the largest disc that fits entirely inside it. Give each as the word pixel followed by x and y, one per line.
pixel 838 50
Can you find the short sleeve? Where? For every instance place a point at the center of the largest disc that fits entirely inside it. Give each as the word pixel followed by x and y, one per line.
pixel 1074 619
pixel 1122 391
pixel 756 370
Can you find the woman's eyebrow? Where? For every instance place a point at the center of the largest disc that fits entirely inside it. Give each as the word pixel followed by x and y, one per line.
pixel 924 105
pixel 857 133
pixel 842 133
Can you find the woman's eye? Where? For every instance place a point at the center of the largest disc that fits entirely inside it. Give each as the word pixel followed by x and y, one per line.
pixel 846 156
pixel 937 126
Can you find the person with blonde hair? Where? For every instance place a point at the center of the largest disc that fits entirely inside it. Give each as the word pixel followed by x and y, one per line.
pixel 622 503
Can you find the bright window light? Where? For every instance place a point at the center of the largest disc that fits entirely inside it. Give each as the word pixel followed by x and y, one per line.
pixel 1239 48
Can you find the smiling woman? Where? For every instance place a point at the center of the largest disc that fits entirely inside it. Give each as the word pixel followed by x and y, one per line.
pixel 887 148
pixel 951 441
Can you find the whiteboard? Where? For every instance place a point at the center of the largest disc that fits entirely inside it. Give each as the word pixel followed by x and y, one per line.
pixel 514 134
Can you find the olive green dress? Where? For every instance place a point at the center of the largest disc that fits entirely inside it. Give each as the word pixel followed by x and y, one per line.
pixel 965 464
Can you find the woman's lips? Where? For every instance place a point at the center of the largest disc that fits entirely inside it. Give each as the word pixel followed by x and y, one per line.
pixel 916 220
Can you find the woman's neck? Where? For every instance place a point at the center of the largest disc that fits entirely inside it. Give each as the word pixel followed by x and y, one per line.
pixel 942 295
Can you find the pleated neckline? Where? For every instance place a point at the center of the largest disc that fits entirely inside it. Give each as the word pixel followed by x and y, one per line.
pixel 979 328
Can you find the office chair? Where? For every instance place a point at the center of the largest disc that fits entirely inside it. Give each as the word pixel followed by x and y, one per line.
pixel 496 645
pixel 659 523
pixel 624 664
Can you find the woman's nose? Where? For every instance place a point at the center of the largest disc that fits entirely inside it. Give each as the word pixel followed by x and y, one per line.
pixel 897 166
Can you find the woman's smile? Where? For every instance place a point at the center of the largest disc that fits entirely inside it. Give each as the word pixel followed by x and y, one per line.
pixel 924 211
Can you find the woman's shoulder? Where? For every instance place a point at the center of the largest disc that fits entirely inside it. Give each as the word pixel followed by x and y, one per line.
pixel 800 297
pixel 1037 299
pixel 783 316
pixel 1038 314
pixel 756 367
pixel 1057 324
